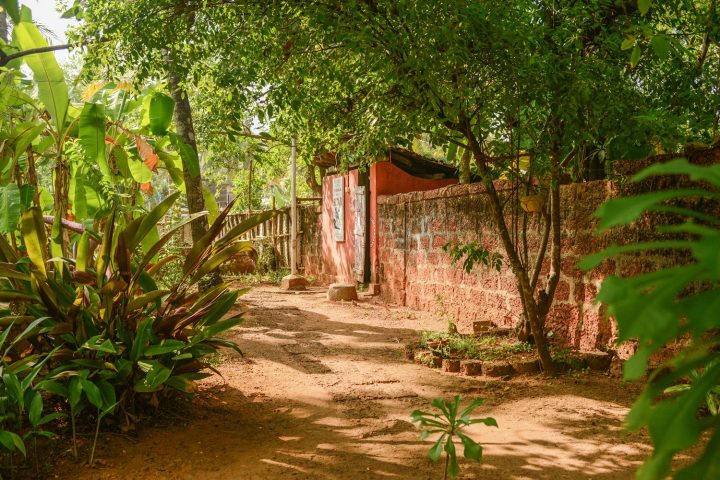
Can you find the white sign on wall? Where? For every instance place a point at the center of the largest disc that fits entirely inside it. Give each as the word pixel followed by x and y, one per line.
pixel 339 208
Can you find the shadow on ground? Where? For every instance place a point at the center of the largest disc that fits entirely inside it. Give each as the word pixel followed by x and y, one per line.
pixel 324 393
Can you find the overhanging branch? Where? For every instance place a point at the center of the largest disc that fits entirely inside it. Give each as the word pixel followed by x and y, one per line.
pixel 5 59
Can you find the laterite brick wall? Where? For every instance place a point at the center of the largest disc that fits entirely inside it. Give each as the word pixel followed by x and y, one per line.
pixel 416 272
pixel 413 269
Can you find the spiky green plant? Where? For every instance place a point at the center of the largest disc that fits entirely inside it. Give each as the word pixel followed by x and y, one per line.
pixel 450 423
pixel 111 333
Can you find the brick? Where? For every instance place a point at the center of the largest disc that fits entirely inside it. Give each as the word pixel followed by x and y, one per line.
pixel 598 361
pixel 471 367
pixel 579 292
pixel 439 242
pixel 481 326
pixel 524 367
pixel 451 365
pixel 590 292
pixel 427 220
pixel 562 291
pixel 497 369
pixel 293 282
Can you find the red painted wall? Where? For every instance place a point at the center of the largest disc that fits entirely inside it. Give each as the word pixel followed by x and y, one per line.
pixel 385 179
pixel 338 257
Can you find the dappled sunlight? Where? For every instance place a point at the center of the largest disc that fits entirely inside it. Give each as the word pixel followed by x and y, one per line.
pixel 319 397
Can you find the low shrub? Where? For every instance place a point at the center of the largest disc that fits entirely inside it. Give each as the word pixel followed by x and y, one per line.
pixel 489 347
pixel 97 330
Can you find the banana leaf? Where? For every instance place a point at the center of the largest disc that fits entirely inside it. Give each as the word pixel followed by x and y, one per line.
pixel 34 236
pixel 49 77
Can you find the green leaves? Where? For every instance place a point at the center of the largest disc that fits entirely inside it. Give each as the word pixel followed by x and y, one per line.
pixel 661 46
pixel 110 331
pixel 161 113
pixel 635 56
pixel 10 205
pixel 210 204
pixel 35 410
pixel 674 427
pixel 472 450
pixel 139 171
pixel 100 345
pixel 92 136
pixel 34 236
pixel 92 392
pixel 12 441
pixel 142 226
pixel 142 336
pixel 189 156
pixel 681 166
pixel 644 6
pixel 622 211
pixel 167 346
pixel 143 300
pixel 12 9
pixel 660 307
pixel 52 89
pixel 450 424
pixel 436 450
pixel 16 145
pixel 473 254
pixel 707 466
pixel 628 43
pixel 156 376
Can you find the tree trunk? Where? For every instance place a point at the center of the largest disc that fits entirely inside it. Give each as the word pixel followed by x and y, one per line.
pixel 533 310
pixel 315 186
pixel 3 27
pixel 193 184
pixel 186 130
pixel 464 169
pixel 535 318
pixel 61 199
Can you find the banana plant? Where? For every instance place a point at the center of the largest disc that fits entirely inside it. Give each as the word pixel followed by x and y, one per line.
pixel 104 151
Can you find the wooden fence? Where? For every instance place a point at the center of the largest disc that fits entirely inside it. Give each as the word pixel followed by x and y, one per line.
pixel 275 231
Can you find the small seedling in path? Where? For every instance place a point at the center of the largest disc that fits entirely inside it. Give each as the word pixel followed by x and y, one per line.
pixel 450 424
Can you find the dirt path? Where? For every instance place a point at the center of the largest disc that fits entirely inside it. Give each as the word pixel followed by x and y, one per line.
pixel 324 393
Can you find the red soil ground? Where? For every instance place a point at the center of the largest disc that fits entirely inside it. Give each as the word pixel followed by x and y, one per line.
pixel 324 393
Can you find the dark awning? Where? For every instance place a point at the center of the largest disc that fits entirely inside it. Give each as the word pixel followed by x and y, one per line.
pixel 406 160
pixel 422 167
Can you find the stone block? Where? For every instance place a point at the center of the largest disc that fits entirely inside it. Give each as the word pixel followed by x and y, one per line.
pixel 239 263
pixel 497 369
pixel 598 361
pixel 616 367
pixel 451 365
pixel 471 367
pixel 428 358
pixel 410 349
pixel 342 292
pixel 501 331
pixel 293 282
pixel 525 367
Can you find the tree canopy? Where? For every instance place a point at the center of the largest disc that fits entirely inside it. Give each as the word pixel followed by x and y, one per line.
pixel 535 92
